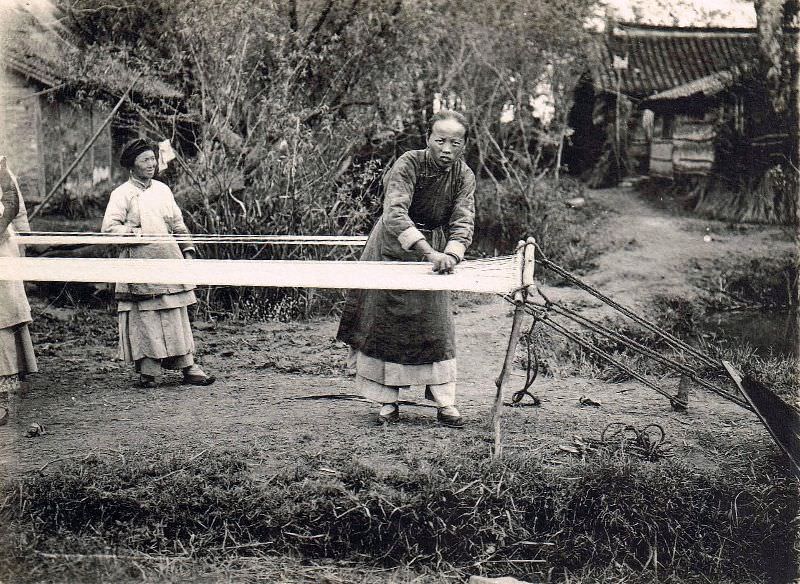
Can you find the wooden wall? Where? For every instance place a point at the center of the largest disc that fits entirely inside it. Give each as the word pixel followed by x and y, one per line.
pixel 682 145
pixel 66 129
pixel 693 145
pixel 42 133
pixel 661 157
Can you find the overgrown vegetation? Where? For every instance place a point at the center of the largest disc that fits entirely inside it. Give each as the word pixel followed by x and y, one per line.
pixel 458 512
pixel 567 232
pixel 293 111
pixel 761 283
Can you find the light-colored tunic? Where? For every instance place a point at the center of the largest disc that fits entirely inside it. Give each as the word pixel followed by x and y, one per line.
pixel 407 337
pixel 16 349
pixel 153 318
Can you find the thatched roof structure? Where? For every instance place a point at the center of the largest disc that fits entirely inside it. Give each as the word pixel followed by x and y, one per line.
pixel 49 58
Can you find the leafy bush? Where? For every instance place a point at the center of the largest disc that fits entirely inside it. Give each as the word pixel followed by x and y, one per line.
pixel 566 235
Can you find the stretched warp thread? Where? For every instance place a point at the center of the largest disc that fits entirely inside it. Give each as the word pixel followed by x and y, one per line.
pixel 495 275
pixel 56 238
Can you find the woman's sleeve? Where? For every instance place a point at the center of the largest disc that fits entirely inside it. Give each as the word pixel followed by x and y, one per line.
pixel 398 192
pixel 462 220
pixel 116 214
pixel 21 224
pixel 10 200
pixel 177 225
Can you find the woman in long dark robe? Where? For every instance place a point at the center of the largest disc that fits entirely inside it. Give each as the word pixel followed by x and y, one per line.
pixel 407 338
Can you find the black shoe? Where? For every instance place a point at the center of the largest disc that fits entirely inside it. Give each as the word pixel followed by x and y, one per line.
pixel 146 381
pixel 391 418
pixel 449 421
pixel 199 379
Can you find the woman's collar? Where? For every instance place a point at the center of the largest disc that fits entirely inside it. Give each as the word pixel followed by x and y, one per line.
pixel 143 185
pixel 432 165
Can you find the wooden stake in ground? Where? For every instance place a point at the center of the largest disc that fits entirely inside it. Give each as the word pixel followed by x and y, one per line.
pixel 525 257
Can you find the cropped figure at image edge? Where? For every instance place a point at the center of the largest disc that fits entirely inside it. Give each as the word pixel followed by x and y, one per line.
pixel 17 358
pixel 154 328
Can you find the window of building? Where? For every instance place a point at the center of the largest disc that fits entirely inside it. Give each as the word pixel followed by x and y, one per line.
pixel 667 126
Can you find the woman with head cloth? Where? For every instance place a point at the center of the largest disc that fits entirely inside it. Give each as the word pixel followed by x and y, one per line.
pixel 17 359
pixel 154 328
pixel 407 338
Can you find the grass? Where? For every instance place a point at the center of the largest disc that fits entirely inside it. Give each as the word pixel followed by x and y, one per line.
pixel 562 357
pixel 766 282
pixel 458 514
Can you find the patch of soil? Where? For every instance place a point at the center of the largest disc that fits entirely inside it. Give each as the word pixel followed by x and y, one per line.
pixel 86 401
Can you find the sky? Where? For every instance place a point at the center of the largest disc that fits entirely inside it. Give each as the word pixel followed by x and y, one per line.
pixel 724 13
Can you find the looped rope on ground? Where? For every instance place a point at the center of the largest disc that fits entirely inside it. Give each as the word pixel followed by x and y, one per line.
pixel 620 439
pixel 648 442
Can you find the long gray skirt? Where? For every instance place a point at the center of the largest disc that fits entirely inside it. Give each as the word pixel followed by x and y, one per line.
pixel 157 334
pixel 16 351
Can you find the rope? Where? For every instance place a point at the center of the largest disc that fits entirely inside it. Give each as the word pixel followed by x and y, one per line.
pixel 648 443
pixel 93 238
pixel 638 347
pixel 669 338
pixel 531 370
pixel 623 439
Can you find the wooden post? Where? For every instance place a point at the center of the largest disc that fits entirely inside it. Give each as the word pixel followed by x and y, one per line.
pixel 525 257
pixel 682 396
pixel 558 155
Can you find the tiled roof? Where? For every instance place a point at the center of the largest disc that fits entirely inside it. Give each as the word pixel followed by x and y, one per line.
pixel 663 58
pixel 708 85
pixel 44 56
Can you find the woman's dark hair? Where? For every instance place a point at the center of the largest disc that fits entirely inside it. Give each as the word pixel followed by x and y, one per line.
pixel 445 114
pixel 133 149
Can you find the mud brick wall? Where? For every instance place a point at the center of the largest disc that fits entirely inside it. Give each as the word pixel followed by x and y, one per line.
pixel 42 133
pixel 20 124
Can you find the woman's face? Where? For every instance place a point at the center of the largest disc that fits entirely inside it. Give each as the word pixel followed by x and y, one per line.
pixel 144 167
pixel 446 141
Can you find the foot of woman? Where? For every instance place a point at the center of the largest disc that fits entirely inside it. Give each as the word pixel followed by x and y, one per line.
pixel 389 414
pixel 4 411
pixel 193 375
pixel 146 381
pixel 450 416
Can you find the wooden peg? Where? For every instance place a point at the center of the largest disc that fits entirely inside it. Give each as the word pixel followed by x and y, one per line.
pixel 516 332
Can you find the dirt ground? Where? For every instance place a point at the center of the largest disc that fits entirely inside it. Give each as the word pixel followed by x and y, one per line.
pixel 283 396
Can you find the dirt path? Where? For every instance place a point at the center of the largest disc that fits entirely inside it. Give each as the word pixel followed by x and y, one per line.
pixel 267 371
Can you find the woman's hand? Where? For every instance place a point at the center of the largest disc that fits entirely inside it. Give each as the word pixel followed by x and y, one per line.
pixel 442 262
pixel 188 254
